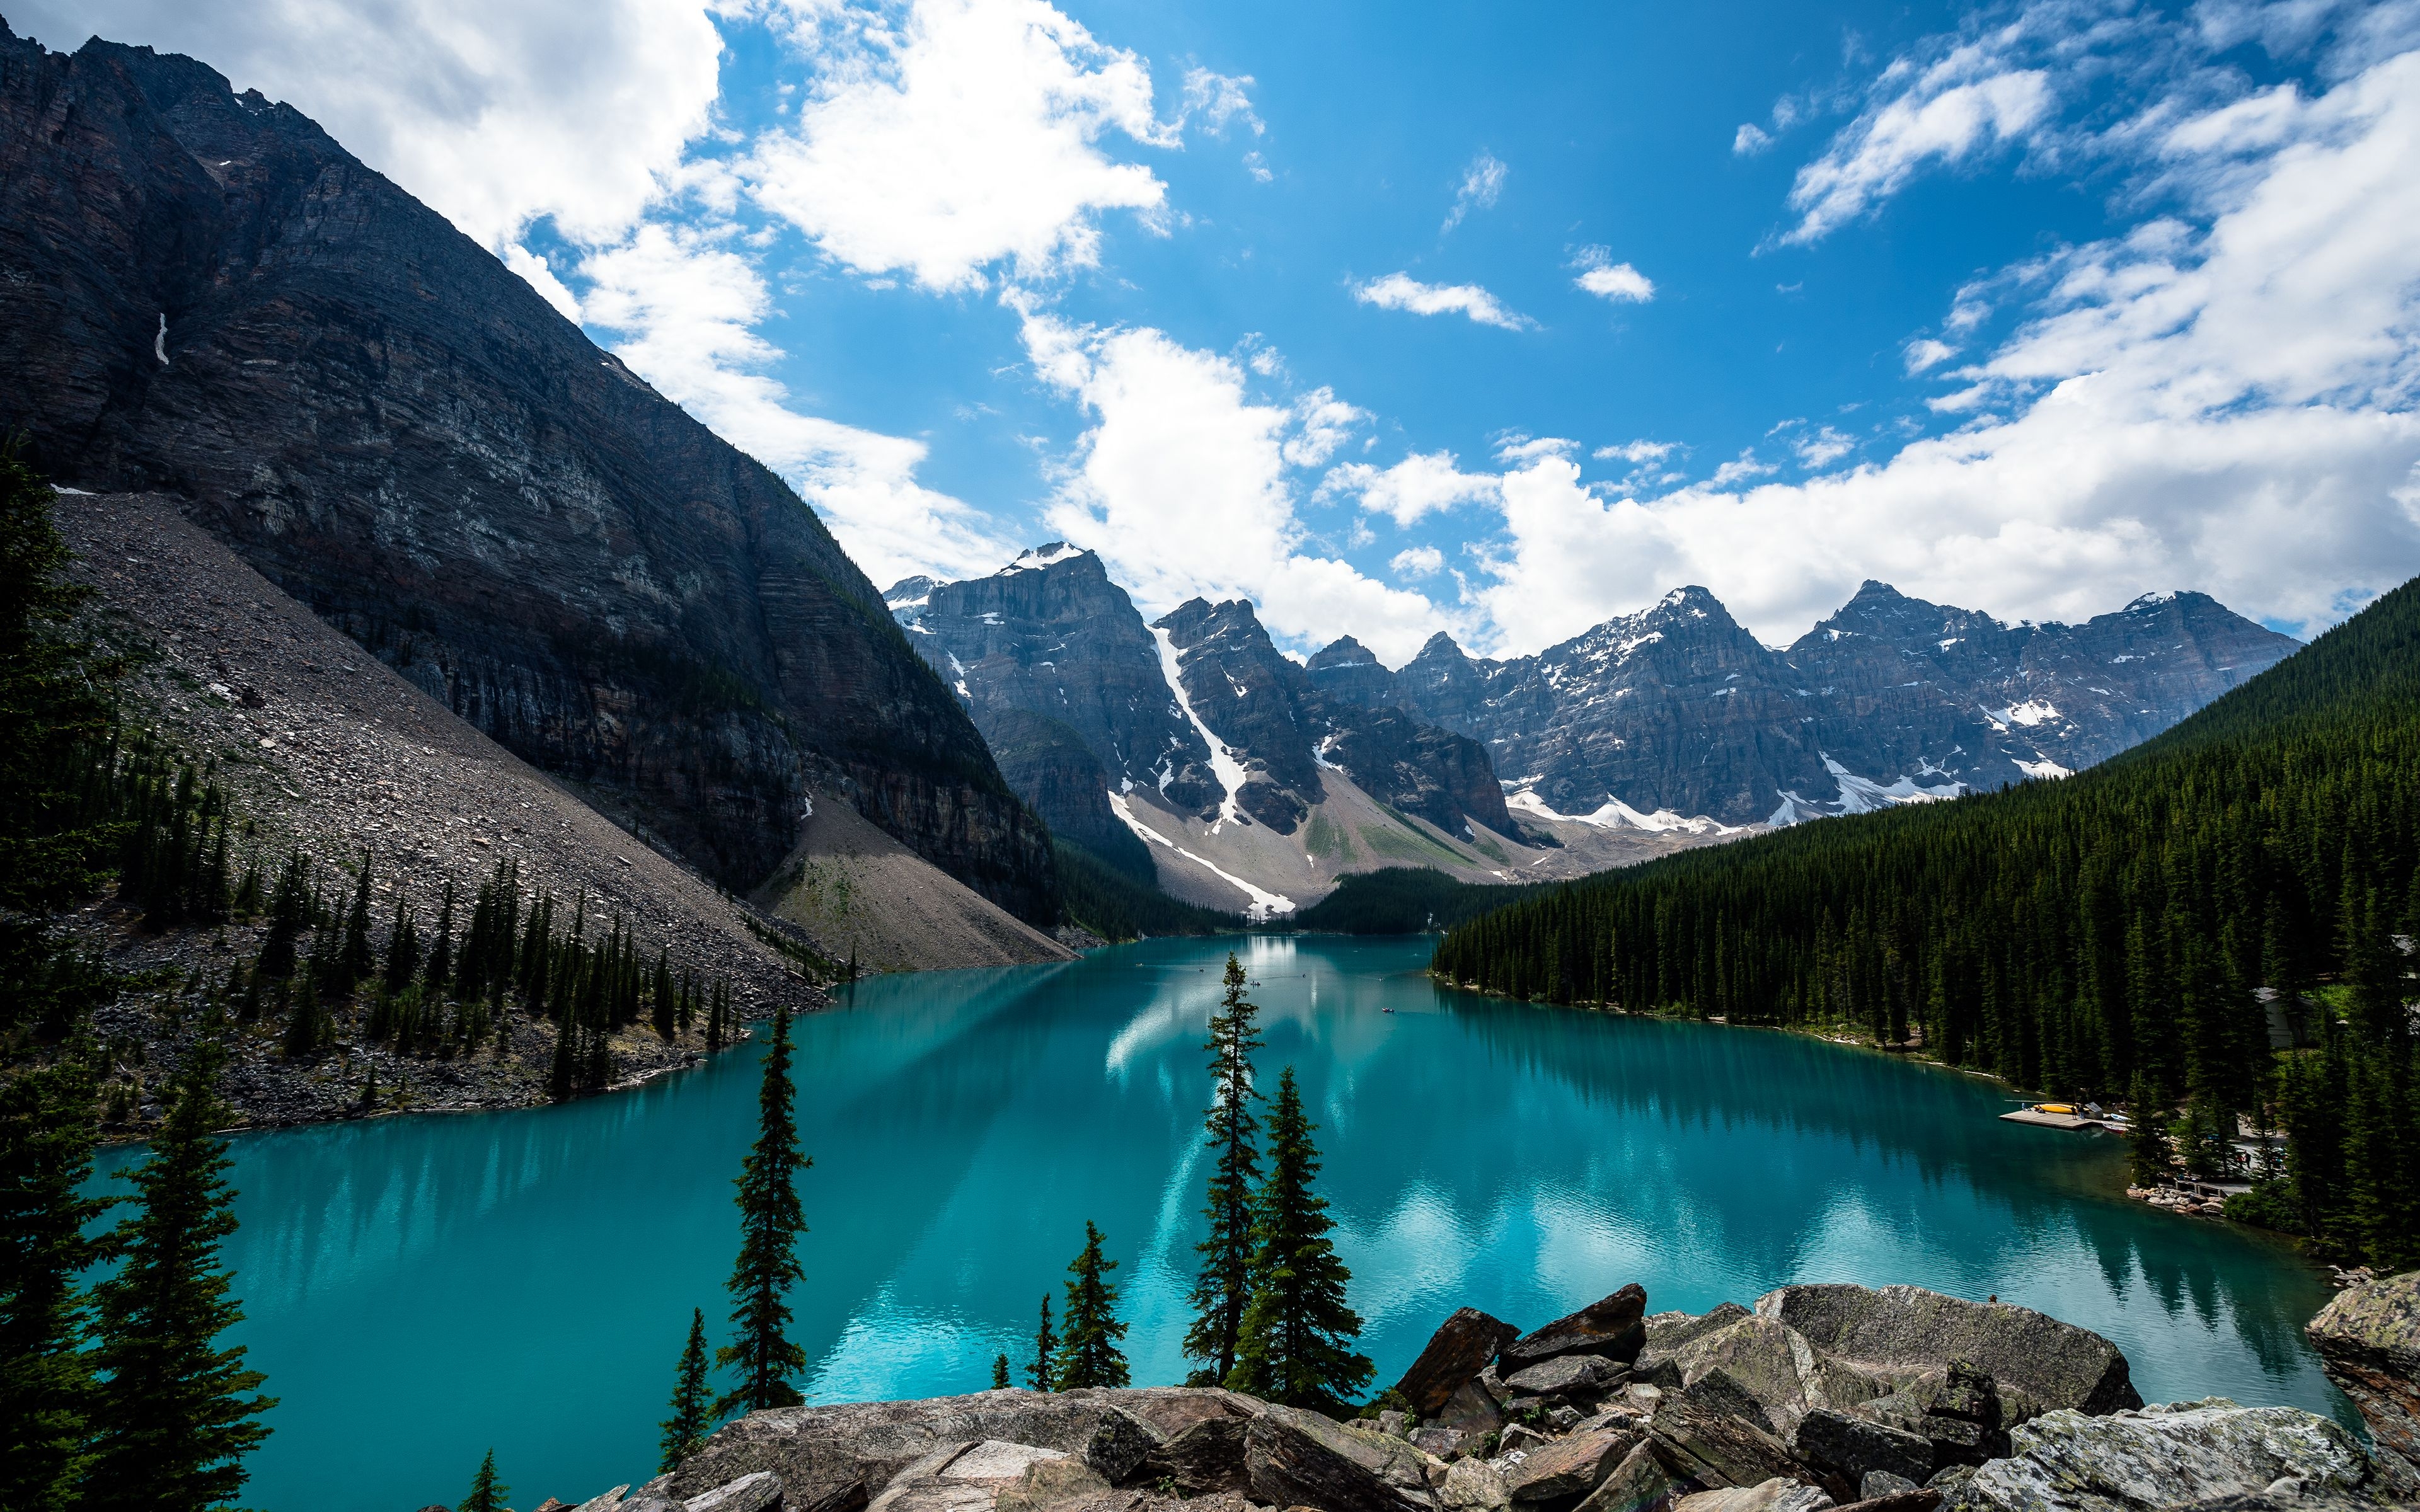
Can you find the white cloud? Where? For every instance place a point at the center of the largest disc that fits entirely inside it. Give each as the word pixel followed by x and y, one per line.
pixel 1739 469
pixel 1750 139
pixel 1181 484
pixel 1825 447
pixel 2227 403
pixel 1517 448
pixel 1925 354
pixel 967 136
pixel 1417 561
pixel 686 308
pixel 488 113
pixel 1483 182
pixel 1418 485
pixel 533 270
pixel 1322 422
pixel 1401 291
pixel 1220 99
pixel 1604 278
pixel 1634 451
pixel 1946 113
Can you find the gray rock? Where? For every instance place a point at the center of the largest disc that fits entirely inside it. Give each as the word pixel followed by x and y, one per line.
pixel 1199 1435
pixel 2135 1461
pixel 1638 1483
pixel 1568 1469
pixel 1473 1408
pixel 1446 1444
pixel 2369 1340
pixel 1852 1447
pixel 1298 1458
pixel 1391 1421
pixel 1715 1449
pixel 1474 1486
pixel 1877 1484
pixel 1667 1331
pixel 1719 1391
pixel 1775 1495
pixel 1456 1352
pixel 1920 1500
pixel 2039 1363
pixel 1614 1327
pixel 750 1493
pixel 603 1503
pixel 1565 1373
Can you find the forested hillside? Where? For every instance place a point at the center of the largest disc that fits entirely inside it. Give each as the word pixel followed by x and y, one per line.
pixel 2119 934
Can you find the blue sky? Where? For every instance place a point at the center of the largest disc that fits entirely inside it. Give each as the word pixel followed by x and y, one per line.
pixel 1497 319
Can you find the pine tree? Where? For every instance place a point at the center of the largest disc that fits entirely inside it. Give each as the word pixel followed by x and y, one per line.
pixel 1000 1372
pixel 487 1492
pixel 1222 1289
pixel 693 1405
pixel 354 958
pixel 402 949
pixel 438 970
pixel 1043 1372
pixel 46 1138
pixel 1088 1348
pixel 174 1412
pixel 562 1072
pixel 770 1222
pixel 2148 1144
pixel 1297 1336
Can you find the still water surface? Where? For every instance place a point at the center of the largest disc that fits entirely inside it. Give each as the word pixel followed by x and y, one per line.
pixel 420 1289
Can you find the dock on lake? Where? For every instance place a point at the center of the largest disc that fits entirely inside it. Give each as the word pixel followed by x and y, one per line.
pixel 2065 1115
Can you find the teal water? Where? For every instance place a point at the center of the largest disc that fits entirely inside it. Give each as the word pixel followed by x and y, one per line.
pixel 420 1289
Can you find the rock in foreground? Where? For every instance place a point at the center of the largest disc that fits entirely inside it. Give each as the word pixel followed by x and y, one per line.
pixel 2369 1340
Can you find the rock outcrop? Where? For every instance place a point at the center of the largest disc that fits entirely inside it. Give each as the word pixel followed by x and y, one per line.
pixel 203 294
pixel 1678 708
pixel 1604 1442
pixel 2368 1339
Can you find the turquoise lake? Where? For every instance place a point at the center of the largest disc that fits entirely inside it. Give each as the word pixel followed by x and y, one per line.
pixel 421 1288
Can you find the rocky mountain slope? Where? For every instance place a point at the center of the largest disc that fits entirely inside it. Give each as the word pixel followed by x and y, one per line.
pixel 204 295
pixel 1192 752
pixel 1818 1398
pixel 1676 711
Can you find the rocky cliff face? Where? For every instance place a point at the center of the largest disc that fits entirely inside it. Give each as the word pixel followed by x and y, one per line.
pixel 1051 638
pixel 202 294
pixel 1891 700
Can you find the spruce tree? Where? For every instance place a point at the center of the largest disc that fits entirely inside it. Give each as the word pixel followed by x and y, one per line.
pixel 174 1412
pixel 562 1072
pixel 1042 1373
pixel 693 1405
pixel 1297 1336
pixel 402 949
pixel 46 1138
pixel 770 1222
pixel 1088 1347
pixel 1000 1381
pixel 487 1492
pixel 1223 1287
pixel 438 970
pixel 354 958
pixel 2148 1143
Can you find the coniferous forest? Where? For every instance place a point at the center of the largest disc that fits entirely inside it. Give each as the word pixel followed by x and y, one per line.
pixel 2215 928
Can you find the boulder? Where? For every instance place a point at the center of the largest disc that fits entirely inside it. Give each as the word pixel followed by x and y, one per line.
pixel 1919 1500
pixel 1715 1449
pixel 2039 1363
pixel 1443 1443
pixel 1852 1447
pixel 2163 1457
pixel 1473 1408
pixel 1474 1486
pixel 1667 1331
pixel 2369 1340
pixel 1775 1495
pixel 837 1458
pixel 756 1492
pixel 1718 1391
pixel 1458 1350
pixel 1638 1483
pixel 1878 1483
pixel 1294 1457
pixel 1569 1468
pixel 604 1502
pixel 1613 1326
pixel 1566 1374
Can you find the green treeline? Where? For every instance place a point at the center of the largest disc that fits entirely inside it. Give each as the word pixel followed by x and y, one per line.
pixel 1118 907
pixel 1405 899
pixel 2127 933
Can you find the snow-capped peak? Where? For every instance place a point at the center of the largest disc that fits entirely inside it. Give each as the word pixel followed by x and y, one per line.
pixel 1049 554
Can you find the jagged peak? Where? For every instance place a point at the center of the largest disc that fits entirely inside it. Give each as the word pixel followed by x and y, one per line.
pixel 1439 645
pixel 1048 555
pixel 909 591
pixel 1342 652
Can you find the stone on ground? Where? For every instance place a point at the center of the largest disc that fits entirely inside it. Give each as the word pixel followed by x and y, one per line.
pixel 2369 1340
pixel 1300 1458
pixel 1613 1326
pixel 1775 1495
pixel 2163 1457
pixel 1570 1468
pixel 2040 1363
pixel 1456 1352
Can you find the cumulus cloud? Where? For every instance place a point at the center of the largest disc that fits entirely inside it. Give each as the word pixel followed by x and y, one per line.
pixel 1483 182
pixel 1823 448
pixel 488 113
pixel 1947 113
pixel 2224 401
pixel 1181 484
pixel 1604 278
pixel 1925 354
pixel 1634 451
pixel 1401 291
pixel 968 136
pixel 1417 561
pixel 683 309
pixel 1421 484
pixel 1218 100
pixel 539 276
pixel 1750 139
pixel 1321 423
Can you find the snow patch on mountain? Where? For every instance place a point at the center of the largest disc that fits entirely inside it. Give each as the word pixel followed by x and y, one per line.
pixel 1048 555
pixel 1616 814
pixel 2045 768
pixel 1224 764
pixel 1263 904
pixel 2030 713
pixel 1862 795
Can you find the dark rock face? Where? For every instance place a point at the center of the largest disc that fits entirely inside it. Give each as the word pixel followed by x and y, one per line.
pixel 399 432
pixel 1854 1447
pixel 1613 1327
pixel 1461 1347
pixel 1299 1458
pixel 2037 1362
pixel 2368 1339
pixel 1678 707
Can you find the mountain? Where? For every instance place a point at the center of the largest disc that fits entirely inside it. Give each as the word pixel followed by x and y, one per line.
pixel 1192 753
pixel 1677 710
pixel 203 294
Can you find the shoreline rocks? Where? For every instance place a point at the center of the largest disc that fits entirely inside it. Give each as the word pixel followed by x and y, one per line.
pixel 2369 1340
pixel 1828 1398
